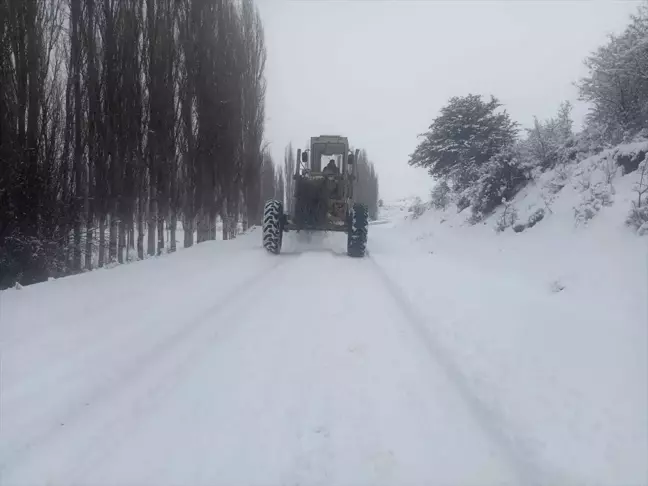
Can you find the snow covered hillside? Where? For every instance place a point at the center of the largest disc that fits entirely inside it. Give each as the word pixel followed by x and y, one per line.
pixel 449 355
pixel 555 328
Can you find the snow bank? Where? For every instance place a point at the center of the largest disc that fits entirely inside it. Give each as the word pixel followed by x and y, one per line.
pixel 548 324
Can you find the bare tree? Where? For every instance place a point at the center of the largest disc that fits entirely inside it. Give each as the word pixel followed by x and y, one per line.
pixel 143 110
pixel 289 172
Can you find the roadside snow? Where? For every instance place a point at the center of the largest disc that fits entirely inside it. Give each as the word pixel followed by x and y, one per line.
pixel 549 325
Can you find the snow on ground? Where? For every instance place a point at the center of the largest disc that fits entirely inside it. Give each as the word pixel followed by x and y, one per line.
pixel 221 365
pixel 447 356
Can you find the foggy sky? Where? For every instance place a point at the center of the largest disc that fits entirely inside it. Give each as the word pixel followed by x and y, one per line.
pixel 378 71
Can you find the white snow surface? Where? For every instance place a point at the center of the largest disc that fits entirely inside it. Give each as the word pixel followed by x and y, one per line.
pixel 449 355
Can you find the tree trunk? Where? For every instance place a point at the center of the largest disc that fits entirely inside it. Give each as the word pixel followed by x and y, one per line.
pixel 151 221
pixel 102 240
pixel 89 239
pixel 130 247
pixel 112 247
pixel 172 237
pixel 160 230
pixel 121 249
pixel 140 231
pixel 225 228
pixel 188 227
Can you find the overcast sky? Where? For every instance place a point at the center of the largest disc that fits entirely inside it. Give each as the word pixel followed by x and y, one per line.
pixel 378 71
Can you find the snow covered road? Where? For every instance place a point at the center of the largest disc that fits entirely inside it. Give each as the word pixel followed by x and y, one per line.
pixel 304 372
pixel 223 365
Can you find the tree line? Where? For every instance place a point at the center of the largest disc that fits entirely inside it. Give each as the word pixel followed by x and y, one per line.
pixel 120 119
pixel 481 158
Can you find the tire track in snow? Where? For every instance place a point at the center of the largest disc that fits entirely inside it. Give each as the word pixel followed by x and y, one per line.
pixel 95 400
pixel 512 444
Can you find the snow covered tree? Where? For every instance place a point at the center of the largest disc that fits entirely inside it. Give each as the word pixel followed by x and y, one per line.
pixel 464 137
pixel 498 181
pixel 617 85
pixel 546 142
pixel 440 195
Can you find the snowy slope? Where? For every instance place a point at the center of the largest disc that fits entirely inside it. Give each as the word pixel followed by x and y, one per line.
pixel 554 332
pixel 220 365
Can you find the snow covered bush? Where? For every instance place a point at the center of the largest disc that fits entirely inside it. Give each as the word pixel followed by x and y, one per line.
pixel 440 196
pixel 499 179
pixel 638 216
pixel 507 219
pixel 546 143
pixel 560 179
pixel 519 228
pixel 593 199
pixel 536 217
pixel 463 201
pixel 418 207
pixel 27 259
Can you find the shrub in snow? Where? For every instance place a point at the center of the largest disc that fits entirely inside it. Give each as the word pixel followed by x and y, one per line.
pixel 463 202
pixel 536 217
pixel 561 176
pixel 638 218
pixel 556 286
pixel 499 179
pixel 592 200
pixel 547 142
pixel 440 196
pixel 507 219
pixel 418 208
pixel 583 183
pixel 28 259
pixel 610 169
pixel 519 228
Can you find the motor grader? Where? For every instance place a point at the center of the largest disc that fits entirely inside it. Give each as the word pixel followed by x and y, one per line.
pixel 324 177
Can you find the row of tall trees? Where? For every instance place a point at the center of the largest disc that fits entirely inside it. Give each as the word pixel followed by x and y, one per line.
pixel 366 186
pixel 272 179
pixel 120 118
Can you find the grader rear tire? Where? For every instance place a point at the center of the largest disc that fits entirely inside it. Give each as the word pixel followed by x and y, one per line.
pixel 358 230
pixel 273 226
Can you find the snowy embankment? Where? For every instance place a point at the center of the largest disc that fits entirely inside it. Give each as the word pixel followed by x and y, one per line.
pixel 548 325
